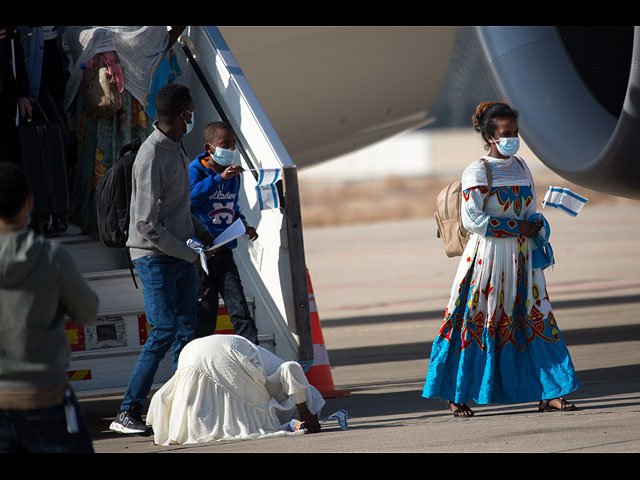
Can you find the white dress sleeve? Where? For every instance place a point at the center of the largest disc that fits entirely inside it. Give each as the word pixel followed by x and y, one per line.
pixel 473 216
pixel 475 187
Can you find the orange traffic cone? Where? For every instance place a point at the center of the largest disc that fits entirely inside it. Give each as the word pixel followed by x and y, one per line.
pixel 319 373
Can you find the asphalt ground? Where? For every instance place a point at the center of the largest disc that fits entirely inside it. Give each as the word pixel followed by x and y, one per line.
pixel 381 289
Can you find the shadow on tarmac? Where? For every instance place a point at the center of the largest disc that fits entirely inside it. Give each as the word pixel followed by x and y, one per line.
pixel 399 402
pixel 438 314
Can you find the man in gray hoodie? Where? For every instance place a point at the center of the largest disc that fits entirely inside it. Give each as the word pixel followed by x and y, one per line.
pixel 40 284
pixel 160 225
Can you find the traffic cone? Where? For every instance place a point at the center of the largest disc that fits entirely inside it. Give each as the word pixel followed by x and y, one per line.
pixel 319 373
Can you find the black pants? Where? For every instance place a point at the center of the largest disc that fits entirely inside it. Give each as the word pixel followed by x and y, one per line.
pixel 44 430
pixel 223 280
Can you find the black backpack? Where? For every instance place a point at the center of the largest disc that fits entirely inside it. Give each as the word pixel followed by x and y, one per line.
pixel 113 196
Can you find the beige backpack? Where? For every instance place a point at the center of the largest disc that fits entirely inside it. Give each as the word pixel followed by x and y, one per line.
pixel 449 219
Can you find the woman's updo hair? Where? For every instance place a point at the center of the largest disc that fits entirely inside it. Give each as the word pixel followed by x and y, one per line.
pixel 486 115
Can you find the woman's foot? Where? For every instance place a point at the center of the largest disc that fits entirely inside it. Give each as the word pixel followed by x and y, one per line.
pixel 558 403
pixel 459 409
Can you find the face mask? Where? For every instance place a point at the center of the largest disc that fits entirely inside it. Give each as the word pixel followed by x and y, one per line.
pixel 224 157
pixel 507 146
pixel 190 124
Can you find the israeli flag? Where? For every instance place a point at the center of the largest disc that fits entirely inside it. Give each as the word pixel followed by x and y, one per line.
pixel 341 417
pixel 564 199
pixel 266 188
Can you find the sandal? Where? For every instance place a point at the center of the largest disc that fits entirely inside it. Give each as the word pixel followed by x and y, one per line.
pixel 461 409
pixel 545 405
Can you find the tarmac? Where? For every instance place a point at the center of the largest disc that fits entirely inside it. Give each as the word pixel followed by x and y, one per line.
pixel 381 289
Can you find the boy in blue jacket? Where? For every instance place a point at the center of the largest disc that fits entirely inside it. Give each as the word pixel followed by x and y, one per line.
pixel 215 186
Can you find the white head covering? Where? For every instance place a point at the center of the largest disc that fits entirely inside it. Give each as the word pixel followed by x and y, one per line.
pixel 140 50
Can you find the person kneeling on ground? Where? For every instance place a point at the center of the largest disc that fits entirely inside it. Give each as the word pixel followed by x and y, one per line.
pixel 227 388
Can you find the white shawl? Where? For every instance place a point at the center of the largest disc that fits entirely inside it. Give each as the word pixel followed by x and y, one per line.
pixel 140 50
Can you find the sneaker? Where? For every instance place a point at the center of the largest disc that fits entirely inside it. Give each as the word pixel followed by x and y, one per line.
pixel 129 421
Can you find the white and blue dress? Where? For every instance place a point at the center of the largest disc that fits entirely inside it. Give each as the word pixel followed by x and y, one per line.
pixel 499 341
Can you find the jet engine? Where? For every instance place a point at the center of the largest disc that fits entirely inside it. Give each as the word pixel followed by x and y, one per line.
pixel 577 90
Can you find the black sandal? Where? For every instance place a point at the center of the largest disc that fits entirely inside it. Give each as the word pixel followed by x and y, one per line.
pixel 545 406
pixel 461 411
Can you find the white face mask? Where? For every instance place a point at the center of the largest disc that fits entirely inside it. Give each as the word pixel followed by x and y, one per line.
pixel 190 124
pixel 224 157
pixel 507 146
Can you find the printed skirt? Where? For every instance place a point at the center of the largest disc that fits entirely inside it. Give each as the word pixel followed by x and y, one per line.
pixel 499 341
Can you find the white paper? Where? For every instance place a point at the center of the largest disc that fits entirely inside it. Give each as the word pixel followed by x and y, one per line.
pixel 235 230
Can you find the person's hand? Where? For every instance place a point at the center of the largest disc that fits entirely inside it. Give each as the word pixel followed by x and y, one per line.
pixel 206 238
pixel 231 172
pixel 311 423
pixel 528 229
pixel 252 233
pixel 24 107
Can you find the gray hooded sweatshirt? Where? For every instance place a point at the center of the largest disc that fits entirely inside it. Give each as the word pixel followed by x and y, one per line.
pixel 39 283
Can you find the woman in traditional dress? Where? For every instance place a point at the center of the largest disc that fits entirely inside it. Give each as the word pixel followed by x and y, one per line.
pixel 142 61
pixel 499 342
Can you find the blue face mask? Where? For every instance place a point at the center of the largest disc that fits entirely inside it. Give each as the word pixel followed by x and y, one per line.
pixel 507 146
pixel 224 157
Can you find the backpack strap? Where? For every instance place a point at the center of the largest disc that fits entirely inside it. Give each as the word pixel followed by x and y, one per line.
pixel 486 167
pixel 524 170
pixel 134 147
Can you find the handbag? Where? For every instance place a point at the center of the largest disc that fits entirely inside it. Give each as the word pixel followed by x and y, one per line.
pixel 101 97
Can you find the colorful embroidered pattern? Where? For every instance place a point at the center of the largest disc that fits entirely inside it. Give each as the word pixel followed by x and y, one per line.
pixel 502 227
pixel 483 189
pixel 516 198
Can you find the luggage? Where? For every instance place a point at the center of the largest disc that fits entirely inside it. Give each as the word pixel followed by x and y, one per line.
pixel 43 153
pixel 44 162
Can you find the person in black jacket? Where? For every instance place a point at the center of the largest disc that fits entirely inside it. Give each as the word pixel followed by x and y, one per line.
pixel 14 93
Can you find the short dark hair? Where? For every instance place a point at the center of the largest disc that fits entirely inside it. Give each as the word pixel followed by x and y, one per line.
pixel 171 100
pixel 14 189
pixel 485 116
pixel 211 130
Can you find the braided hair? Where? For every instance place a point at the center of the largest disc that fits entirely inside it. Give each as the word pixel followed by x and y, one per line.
pixel 484 120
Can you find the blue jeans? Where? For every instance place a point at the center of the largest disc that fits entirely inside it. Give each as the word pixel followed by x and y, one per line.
pixel 170 303
pixel 43 430
pixel 224 280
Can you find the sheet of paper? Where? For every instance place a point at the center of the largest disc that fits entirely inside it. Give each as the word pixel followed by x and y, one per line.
pixel 235 230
